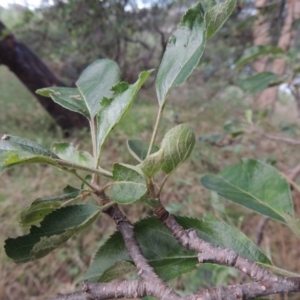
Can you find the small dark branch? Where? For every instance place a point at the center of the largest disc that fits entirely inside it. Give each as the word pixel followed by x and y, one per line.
pixel 278 138
pixel 137 41
pixel 294 172
pixel 73 296
pixel 250 290
pixel 145 271
pixel 260 230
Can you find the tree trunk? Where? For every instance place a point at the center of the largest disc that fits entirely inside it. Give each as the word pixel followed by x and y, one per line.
pixel 269 96
pixel 261 34
pixel 35 75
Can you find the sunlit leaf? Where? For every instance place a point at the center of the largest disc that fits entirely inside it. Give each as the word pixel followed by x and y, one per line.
pixel 183 52
pixel 129 185
pixel 216 16
pixel 69 98
pixel 165 255
pixel 255 185
pixel 96 81
pixel 177 145
pixel 112 110
pixel 67 152
pixel 55 229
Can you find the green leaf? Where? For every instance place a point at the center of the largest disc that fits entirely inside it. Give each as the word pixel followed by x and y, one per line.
pixel 15 150
pixel 234 127
pixel 119 269
pixel 41 207
pixel 67 152
pixel 258 82
pixel 163 252
pixel 112 110
pixel 254 52
pixel 293 223
pixel 9 142
pixel 216 16
pixel 153 163
pixel 139 149
pixel 183 52
pixel 55 229
pixel 69 98
pixel 129 185
pixel 177 145
pixel 255 185
pixel 96 81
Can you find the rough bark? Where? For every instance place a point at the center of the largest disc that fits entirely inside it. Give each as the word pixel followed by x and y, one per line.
pixel 269 96
pixel 261 34
pixel 34 74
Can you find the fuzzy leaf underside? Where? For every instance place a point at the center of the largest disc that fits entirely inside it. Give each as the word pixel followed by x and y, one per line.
pixel 177 145
pixel 129 185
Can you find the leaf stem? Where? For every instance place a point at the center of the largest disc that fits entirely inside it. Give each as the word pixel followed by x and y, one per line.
pixel 94 141
pixel 99 171
pixel 155 130
pixel 162 184
pixel 83 180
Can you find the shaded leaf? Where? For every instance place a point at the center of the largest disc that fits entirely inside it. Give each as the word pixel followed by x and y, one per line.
pixel 129 185
pixel 254 52
pixel 96 81
pixel 183 52
pixel 41 207
pixel 119 269
pixel 255 185
pixel 55 229
pixel 69 98
pixel 67 152
pixel 112 110
pixel 163 252
pixel 138 149
pixel 177 145
pixel 258 82
pixel 216 16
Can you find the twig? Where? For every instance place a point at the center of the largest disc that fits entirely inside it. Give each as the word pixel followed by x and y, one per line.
pixel 260 230
pixel 278 138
